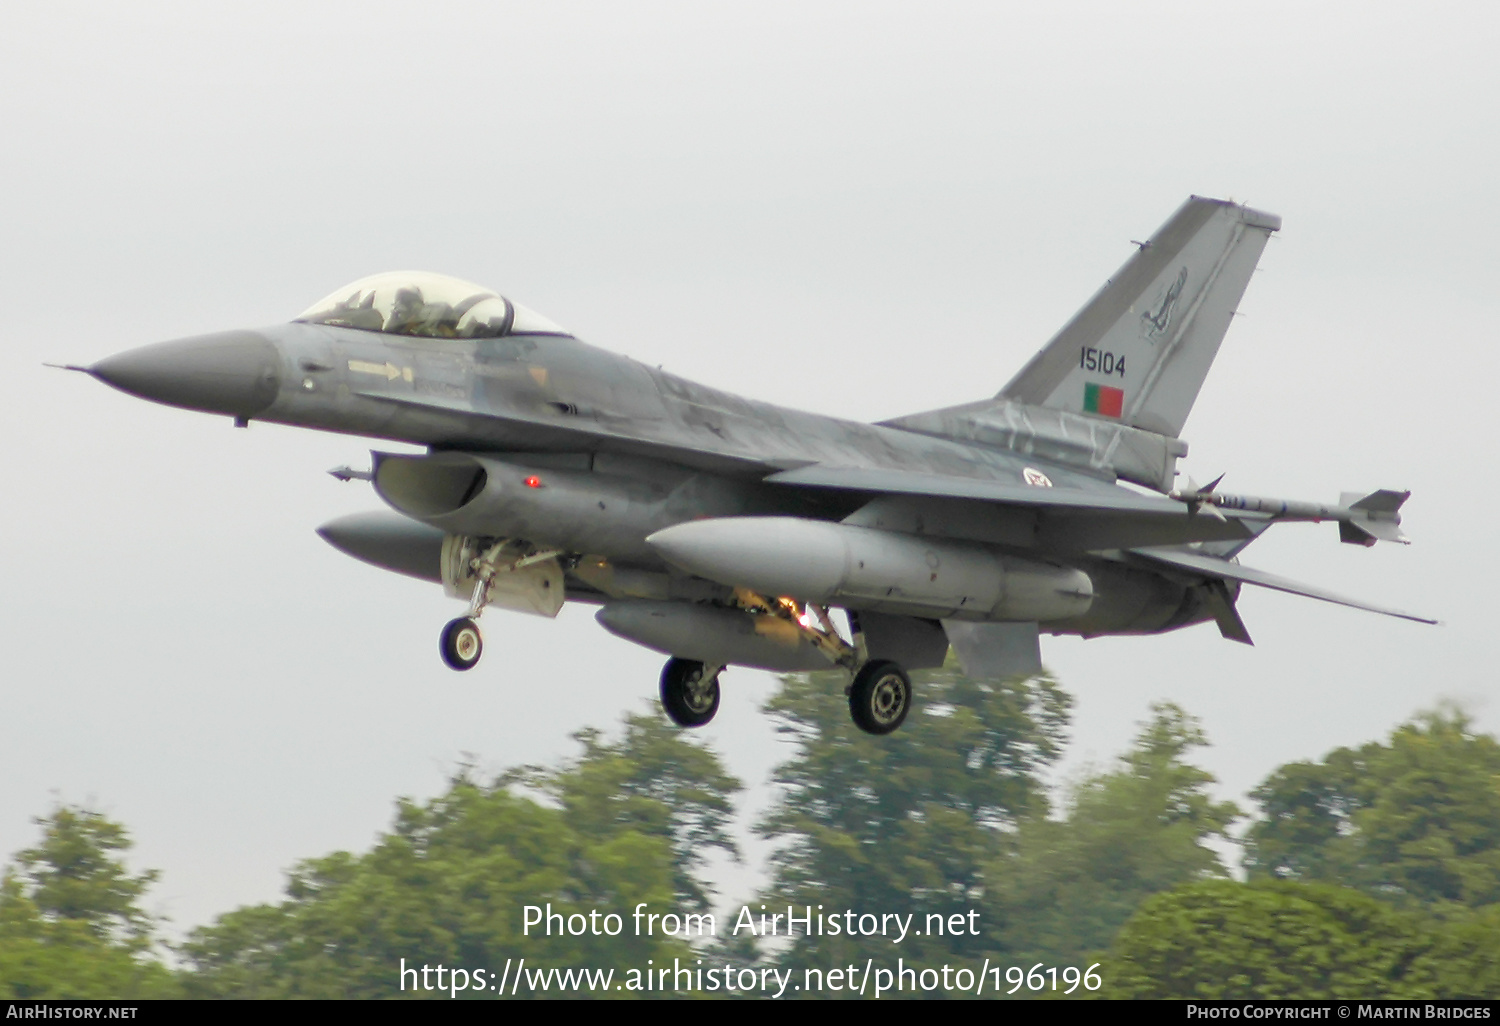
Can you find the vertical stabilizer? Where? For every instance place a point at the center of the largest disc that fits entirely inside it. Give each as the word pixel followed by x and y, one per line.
pixel 1139 351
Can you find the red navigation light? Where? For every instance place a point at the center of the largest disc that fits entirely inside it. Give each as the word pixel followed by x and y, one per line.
pixel 533 482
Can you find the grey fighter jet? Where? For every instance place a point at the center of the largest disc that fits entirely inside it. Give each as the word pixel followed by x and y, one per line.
pixel 721 531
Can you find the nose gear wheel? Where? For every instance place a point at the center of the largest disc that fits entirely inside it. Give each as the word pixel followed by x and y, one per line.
pixel 461 644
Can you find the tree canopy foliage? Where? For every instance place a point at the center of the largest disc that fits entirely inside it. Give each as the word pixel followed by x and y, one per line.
pixel 1221 939
pixel 907 821
pixel 653 782
pixel 71 925
pixel 950 814
pixel 1414 820
pixel 1275 939
pixel 449 883
pixel 1147 825
pixel 1374 873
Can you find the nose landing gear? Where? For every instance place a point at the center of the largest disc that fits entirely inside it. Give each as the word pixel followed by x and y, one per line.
pixel 461 643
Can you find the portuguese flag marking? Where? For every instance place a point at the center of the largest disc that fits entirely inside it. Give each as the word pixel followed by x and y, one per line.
pixel 1103 400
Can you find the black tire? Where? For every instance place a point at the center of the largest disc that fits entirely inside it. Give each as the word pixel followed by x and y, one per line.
pixel 686 699
pixel 880 697
pixel 461 644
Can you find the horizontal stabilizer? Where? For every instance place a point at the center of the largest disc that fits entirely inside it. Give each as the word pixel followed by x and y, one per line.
pixel 1229 549
pixel 1218 569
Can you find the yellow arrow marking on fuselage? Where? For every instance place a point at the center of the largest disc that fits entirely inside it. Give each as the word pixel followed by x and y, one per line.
pixel 389 371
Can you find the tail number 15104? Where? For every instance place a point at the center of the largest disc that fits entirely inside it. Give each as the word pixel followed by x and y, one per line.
pixel 1101 360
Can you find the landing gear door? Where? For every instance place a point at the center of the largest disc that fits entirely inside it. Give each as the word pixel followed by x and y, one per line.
pixel 536 588
pixel 915 643
pixel 996 651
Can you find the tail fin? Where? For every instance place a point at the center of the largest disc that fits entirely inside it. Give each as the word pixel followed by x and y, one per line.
pixel 1139 351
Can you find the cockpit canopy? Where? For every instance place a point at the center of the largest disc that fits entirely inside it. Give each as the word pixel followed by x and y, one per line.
pixel 427 306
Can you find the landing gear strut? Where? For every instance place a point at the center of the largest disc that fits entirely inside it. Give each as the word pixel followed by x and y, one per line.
pixel 689 691
pixel 879 692
pixel 461 643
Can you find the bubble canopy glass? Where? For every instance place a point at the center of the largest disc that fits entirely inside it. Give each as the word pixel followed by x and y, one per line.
pixel 427 306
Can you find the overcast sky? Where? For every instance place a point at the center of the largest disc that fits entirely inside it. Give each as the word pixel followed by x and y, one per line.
pixel 862 209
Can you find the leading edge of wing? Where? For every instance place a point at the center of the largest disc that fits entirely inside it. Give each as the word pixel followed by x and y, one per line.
pixel 494 432
pixel 906 482
pixel 1218 569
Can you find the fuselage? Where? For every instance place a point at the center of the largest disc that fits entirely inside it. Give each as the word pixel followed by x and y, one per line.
pixel 553 393
pixel 622 449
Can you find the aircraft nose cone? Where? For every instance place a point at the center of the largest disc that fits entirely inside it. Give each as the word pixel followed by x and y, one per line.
pixel 232 372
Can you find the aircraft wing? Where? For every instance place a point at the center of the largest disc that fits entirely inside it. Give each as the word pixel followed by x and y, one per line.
pixel 906 482
pixel 1066 518
pixel 483 430
pixel 1218 569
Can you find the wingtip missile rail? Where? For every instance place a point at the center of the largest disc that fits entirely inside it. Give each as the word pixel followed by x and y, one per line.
pixel 1362 520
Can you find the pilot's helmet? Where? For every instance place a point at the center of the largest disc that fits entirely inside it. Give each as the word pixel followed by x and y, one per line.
pixel 406 307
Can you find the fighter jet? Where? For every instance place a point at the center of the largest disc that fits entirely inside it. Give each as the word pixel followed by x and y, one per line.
pixel 722 531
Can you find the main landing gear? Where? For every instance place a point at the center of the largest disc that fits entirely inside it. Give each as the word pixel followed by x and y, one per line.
pixel 690 691
pixel 880 697
pixel 880 692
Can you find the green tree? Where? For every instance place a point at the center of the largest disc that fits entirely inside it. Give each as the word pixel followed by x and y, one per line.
pixel 1410 827
pixel 1415 820
pixel 1270 940
pixel 70 921
pixel 1464 959
pixel 450 883
pixel 1067 886
pixel 907 822
pixel 654 782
